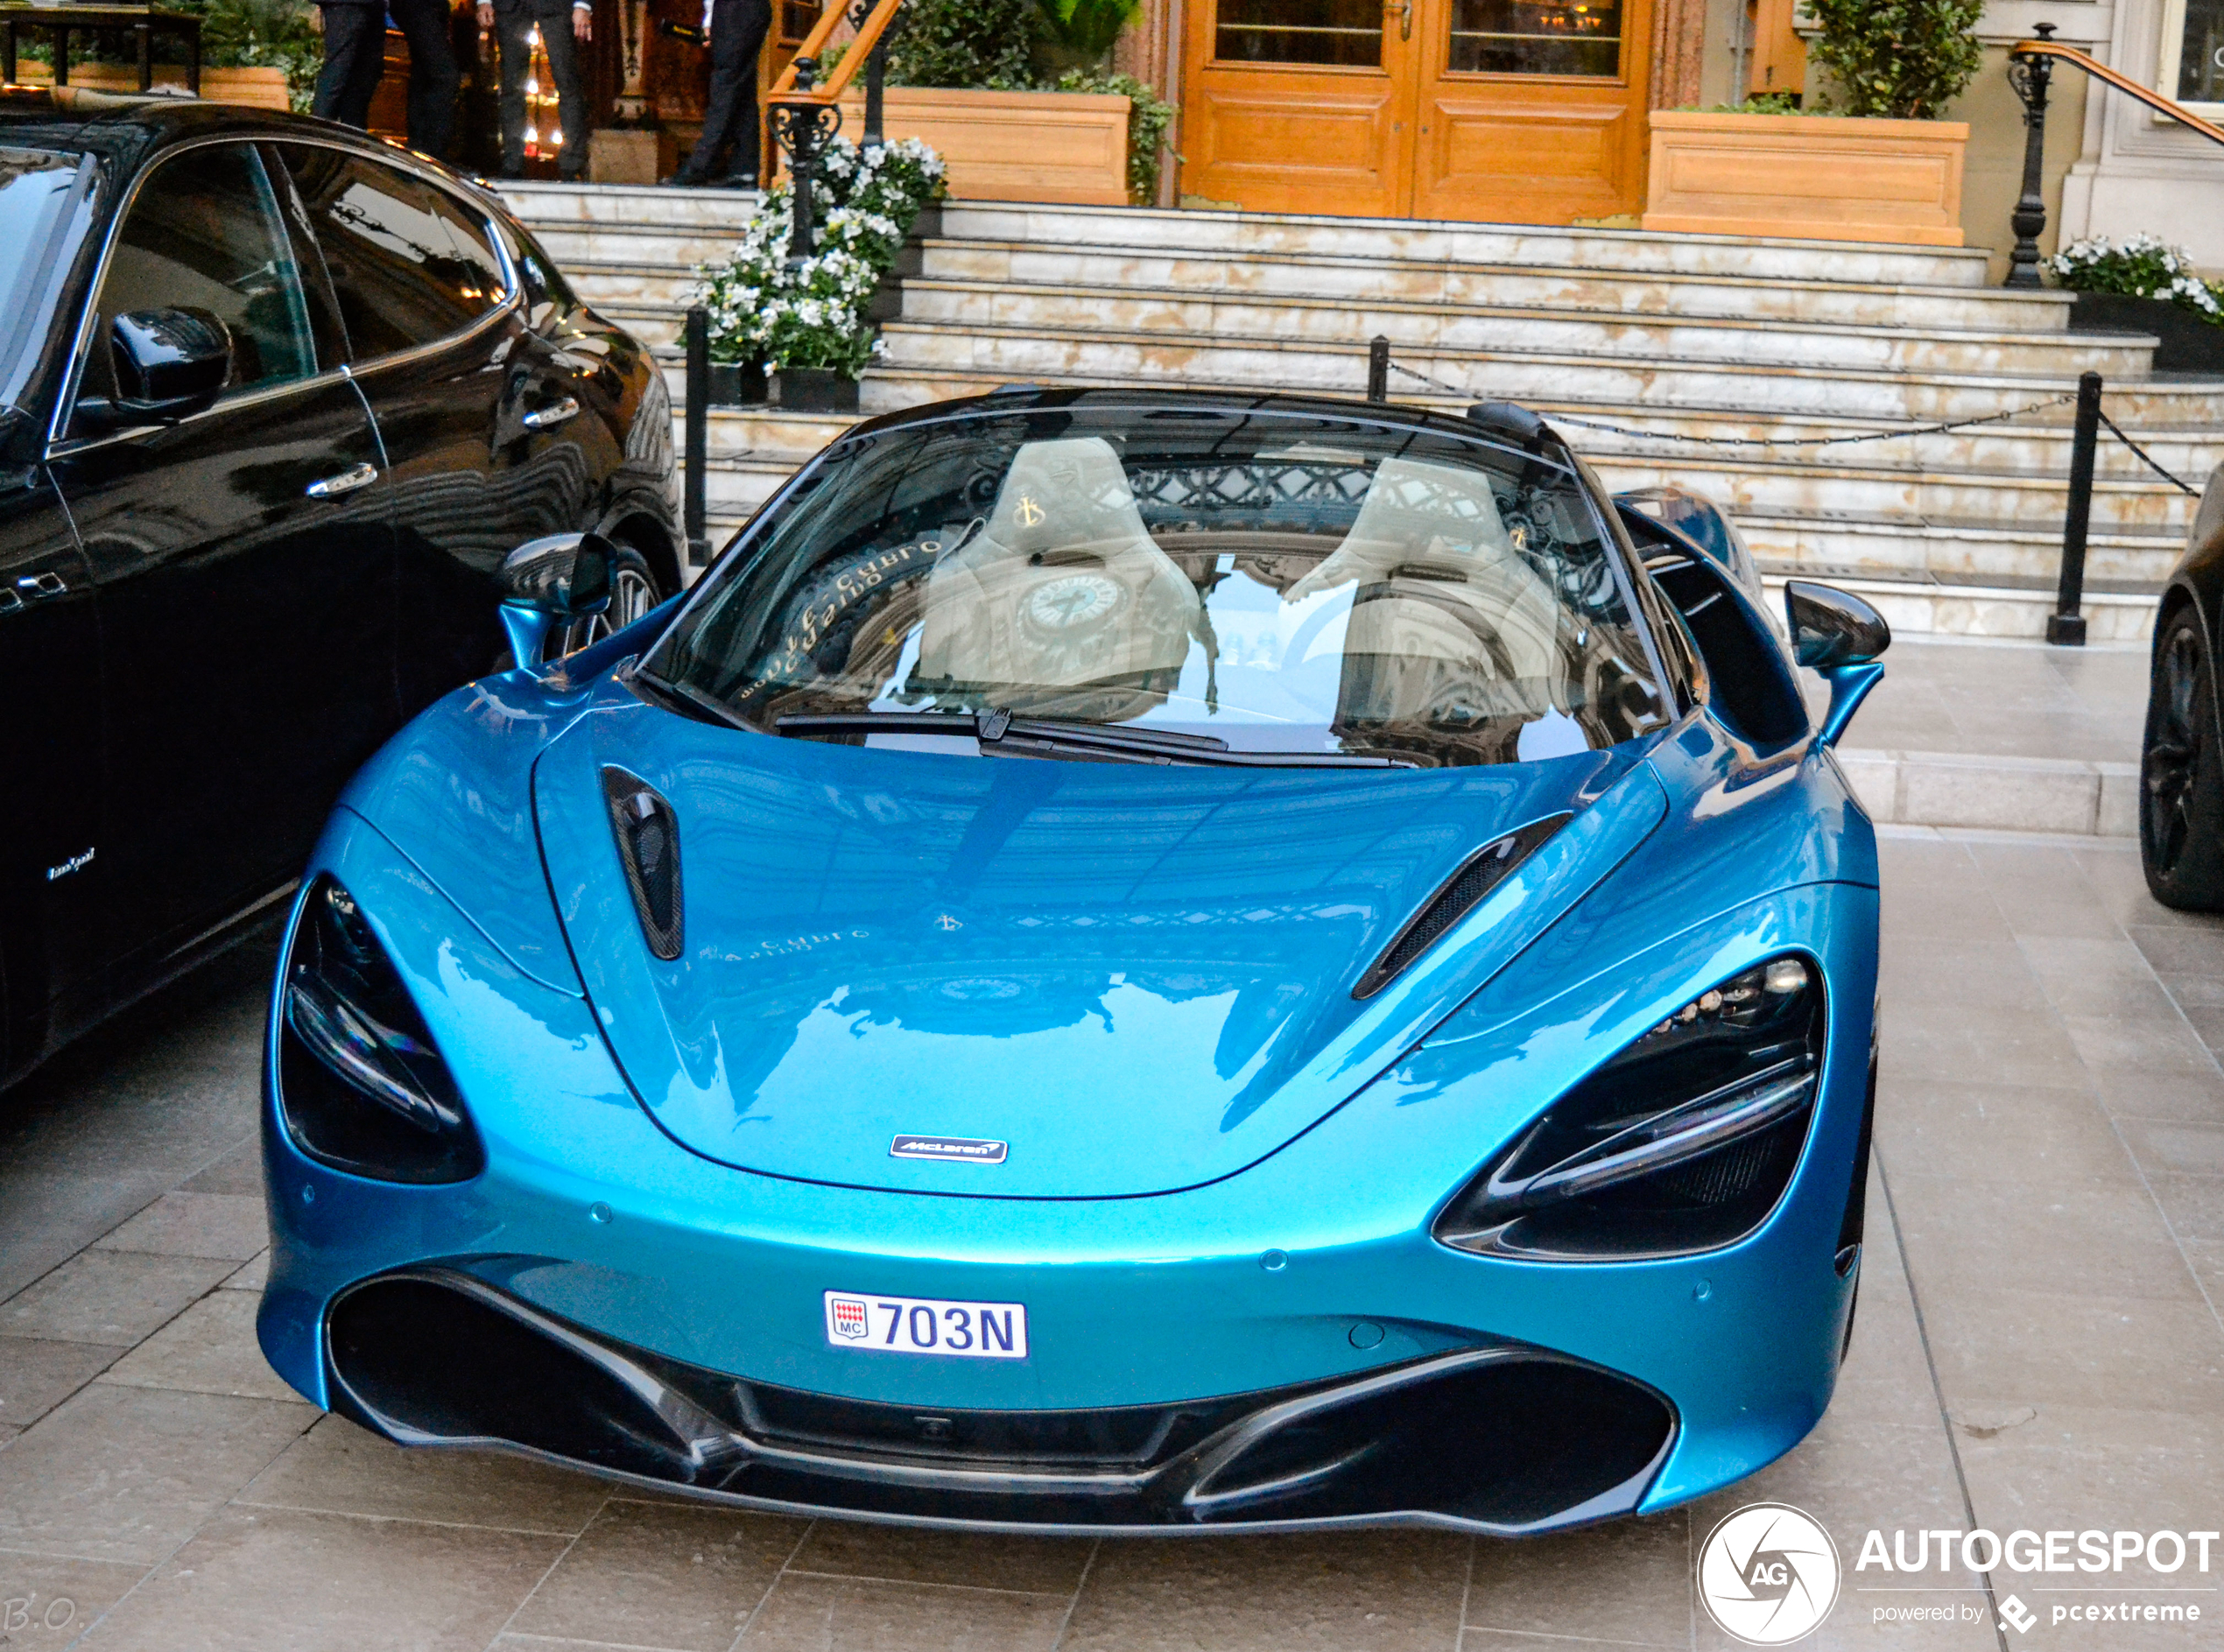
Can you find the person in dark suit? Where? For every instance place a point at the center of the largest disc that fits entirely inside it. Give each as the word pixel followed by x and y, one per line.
pixel 565 26
pixel 354 60
pixel 734 30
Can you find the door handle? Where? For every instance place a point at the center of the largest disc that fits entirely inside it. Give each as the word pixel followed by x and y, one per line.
pixel 31 587
pixel 1404 9
pixel 346 482
pixel 554 414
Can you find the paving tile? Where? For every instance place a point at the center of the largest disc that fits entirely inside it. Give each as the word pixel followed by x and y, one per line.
pixel 252 1276
pixel 2180 950
pixel 2150 1095
pixel 1993 974
pixel 2062 958
pixel 37 1374
pixel 2089 1237
pixel 46 1218
pixel 2133 996
pixel 47 1601
pixel 1629 1582
pixel 2014 1134
pixel 114 1297
pixel 1999 1347
pixel 853 1549
pixel 816 1614
pixel 2139 1044
pixel 229 1226
pixel 2193 1206
pixel 288 1581
pixel 338 1468
pixel 655 1575
pixel 2084 1467
pixel 1886 1376
pixel 7 1433
pixel 118 1474
pixel 1364 1592
pixel 2194 992
pixel 2175 1146
pixel 239 1170
pixel 1941 1042
pixel 209 1348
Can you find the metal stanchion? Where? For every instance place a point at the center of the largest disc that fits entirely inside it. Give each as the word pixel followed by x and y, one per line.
pixel 698 434
pixel 2066 625
pixel 1378 369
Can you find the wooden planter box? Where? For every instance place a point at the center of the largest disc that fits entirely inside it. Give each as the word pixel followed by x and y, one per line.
pixel 1811 177
pixel 259 88
pixel 1067 147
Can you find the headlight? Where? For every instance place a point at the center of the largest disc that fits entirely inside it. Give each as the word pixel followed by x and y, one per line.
pixel 1683 1142
pixel 361 1086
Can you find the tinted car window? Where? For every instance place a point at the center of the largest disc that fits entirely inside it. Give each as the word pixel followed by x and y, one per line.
pixel 41 198
pixel 204 232
pixel 409 263
pixel 1279 583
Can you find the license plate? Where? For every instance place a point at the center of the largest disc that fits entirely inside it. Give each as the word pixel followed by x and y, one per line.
pixel 925 1324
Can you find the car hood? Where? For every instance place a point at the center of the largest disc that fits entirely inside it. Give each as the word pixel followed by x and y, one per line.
pixel 1138 978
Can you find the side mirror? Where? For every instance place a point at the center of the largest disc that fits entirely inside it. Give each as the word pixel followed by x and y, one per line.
pixel 168 363
pixel 551 582
pixel 1840 637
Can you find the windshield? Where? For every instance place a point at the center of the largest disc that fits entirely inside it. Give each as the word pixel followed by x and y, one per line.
pixel 38 189
pixel 1270 582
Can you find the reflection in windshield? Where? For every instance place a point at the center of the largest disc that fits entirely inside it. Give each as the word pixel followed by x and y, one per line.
pixel 38 188
pixel 1282 583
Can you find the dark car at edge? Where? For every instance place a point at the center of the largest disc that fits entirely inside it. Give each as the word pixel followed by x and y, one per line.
pixel 275 399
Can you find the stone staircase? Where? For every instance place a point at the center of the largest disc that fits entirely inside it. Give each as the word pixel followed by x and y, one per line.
pixel 1689 345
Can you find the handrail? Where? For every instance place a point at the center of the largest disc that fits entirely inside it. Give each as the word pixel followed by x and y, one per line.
pixel 869 36
pixel 2030 68
pixel 2123 83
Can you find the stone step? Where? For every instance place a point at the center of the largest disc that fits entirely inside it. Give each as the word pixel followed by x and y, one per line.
pixel 1938 607
pixel 1260 275
pixel 1915 547
pixel 986 354
pixel 1418 327
pixel 650 266
pixel 1237 234
pixel 2004 794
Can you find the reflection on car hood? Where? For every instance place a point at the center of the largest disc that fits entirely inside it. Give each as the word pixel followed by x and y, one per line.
pixel 1138 977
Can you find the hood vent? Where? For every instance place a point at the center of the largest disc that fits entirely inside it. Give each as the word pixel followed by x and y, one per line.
pixel 1480 874
pixel 648 840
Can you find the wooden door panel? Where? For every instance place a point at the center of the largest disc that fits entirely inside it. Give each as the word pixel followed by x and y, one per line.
pixel 1523 159
pixel 1274 151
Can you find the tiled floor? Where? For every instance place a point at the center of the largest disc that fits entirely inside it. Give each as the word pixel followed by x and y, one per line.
pixel 2005 699
pixel 2038 1347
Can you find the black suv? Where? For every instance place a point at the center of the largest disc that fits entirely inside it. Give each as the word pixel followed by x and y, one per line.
pixel 276 398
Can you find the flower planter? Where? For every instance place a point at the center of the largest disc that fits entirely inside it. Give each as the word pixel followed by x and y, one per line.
pixel 1808 177
pixel 1065 147
pixel 257 87
pixel 738 384
pixel 815 389
pixel 2189 344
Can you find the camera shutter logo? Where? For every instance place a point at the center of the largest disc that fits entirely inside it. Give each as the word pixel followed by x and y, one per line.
pixel 848 1317
pixel 1768 1574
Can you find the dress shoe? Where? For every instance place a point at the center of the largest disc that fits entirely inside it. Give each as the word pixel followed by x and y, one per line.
pixel 685 180
pixel 737 180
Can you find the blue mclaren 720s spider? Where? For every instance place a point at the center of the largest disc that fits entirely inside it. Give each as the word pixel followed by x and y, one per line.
pixel 1122 961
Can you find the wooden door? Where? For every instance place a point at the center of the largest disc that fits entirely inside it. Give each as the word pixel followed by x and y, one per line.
pixel 1300 105
pixel 1516 111
pixel 1532 111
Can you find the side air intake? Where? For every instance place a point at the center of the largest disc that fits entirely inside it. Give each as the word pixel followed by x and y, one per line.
pixel 1480 874
pixel 648 841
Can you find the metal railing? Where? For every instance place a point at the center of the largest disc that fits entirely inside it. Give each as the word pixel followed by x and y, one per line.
pixel 2030 69
pixel 803 113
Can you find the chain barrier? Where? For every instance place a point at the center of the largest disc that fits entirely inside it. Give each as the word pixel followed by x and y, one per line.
pixel 2147 460
pixel 2062 400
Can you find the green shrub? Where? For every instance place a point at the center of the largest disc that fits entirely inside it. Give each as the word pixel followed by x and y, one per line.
pixel 1905 59
pixel 270 34
pixel 1086 28
pixel 980 44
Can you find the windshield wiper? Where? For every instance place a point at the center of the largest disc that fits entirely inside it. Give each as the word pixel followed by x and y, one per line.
pixel 999 731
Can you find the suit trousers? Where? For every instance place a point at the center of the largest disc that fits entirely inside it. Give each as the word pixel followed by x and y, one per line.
pixel 355 61
pixel 737 30
pixel 513 27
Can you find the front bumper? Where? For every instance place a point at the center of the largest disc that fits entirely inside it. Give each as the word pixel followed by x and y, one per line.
pixel 598 1253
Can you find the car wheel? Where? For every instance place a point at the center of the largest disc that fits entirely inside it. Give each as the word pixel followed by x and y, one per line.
pixel 2181 788
pixel 633 592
